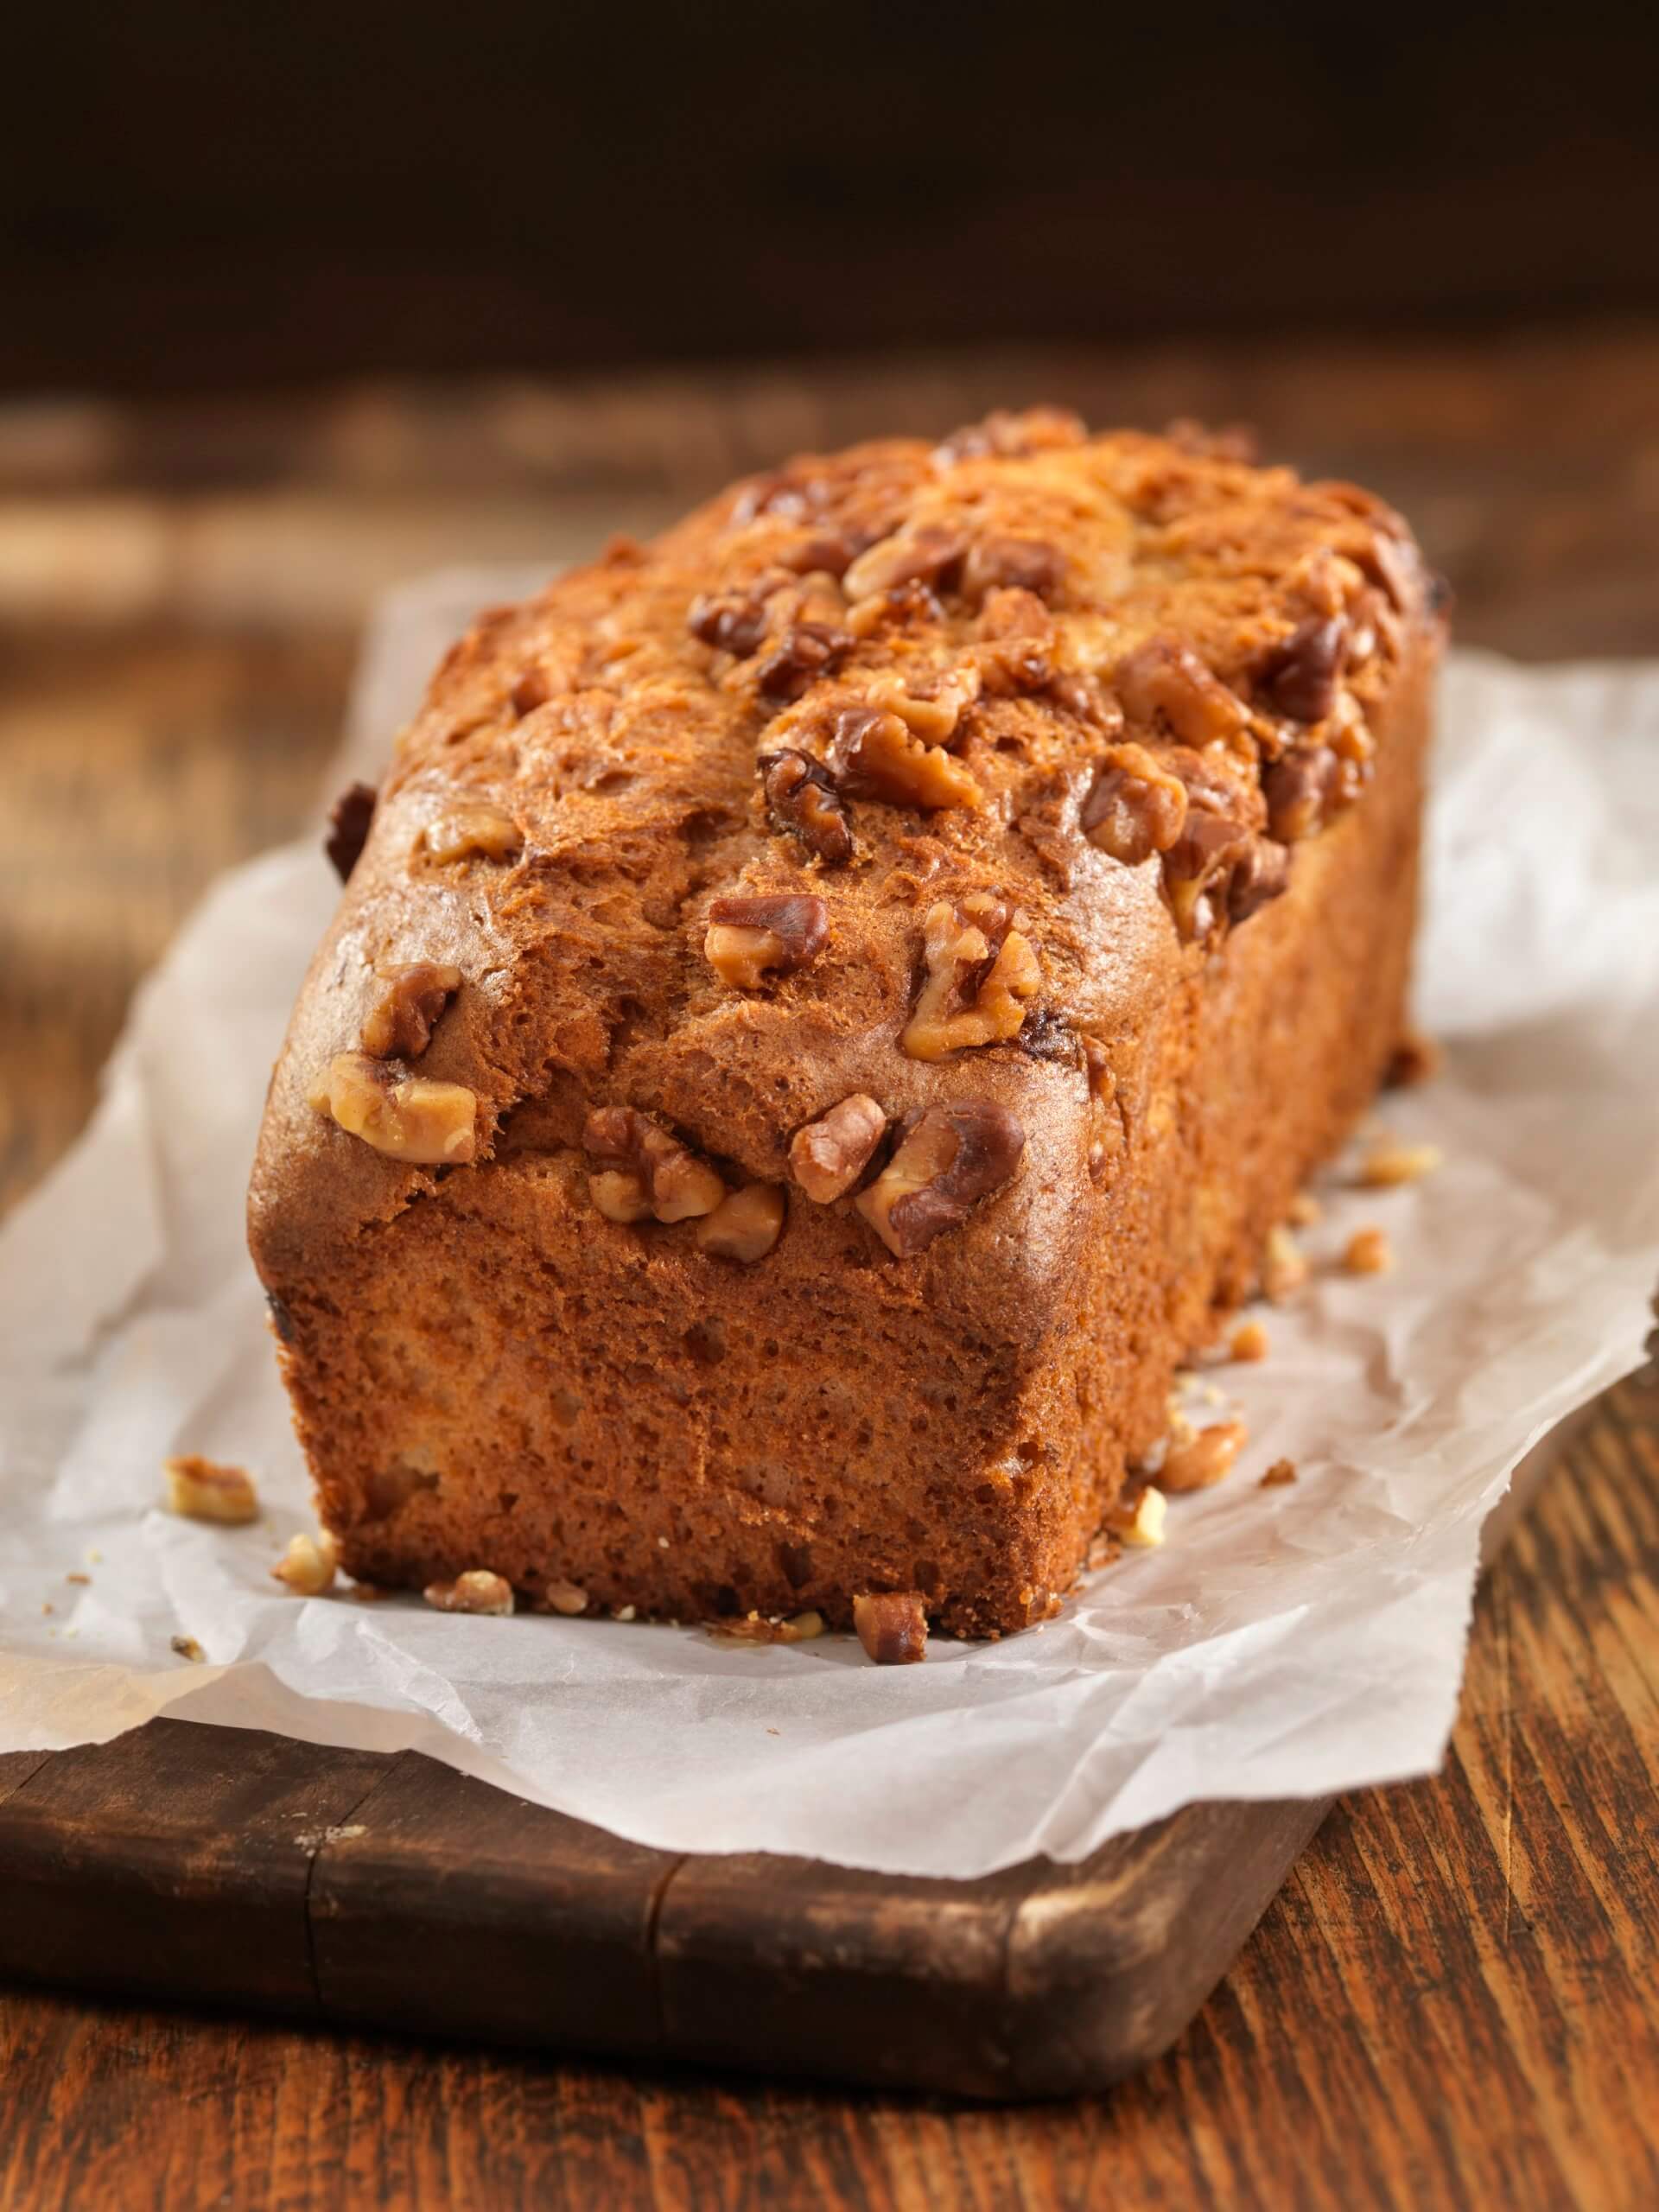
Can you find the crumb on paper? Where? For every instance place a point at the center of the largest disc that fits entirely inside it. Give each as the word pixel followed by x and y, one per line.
pixel 479 1590
pixel 48 1607
pixel 1368 1252
pixel 760 1628
pixel 1281 1472
pixel 1249 1343
pixel 84 1580
pixel 1142 1523
pixel 567 1598
pixel 206 1490
pixel 307 1567
pixel 1304 1210
pixel 187 1648
pixel 1416 1059
pixel 1389 1163
pixel 1284 1269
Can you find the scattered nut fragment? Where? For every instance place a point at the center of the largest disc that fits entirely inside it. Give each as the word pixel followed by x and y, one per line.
pixel 808 651
pixel 749 938
pixel 1416 1059
pixel 932 715
pixel 567 1598
pixel 949 1157
pixel 1390 1163
pixel 745 1226
pixel 407 1117
pixel 619 1196
pixel 801 794
pixel 1284 1269
pixel 892 1625
pixel 1015 650
pixel 1298 676
pixel 472 829
pixel 1368 1253
pixel 757 1628
pixel 1204 1458
pixel 478 1591
pixel 1281 1472
pixel 348 827
pixel 307 1567
pixel 828 1156
pixel 981 975
pixel 874 754
pixel 1165 677
pixel 202 1490
pixel 1249 1343
pixel 929 555
pixel 400 1023
pixel 668 1176
pixel 1142 1523
pixel 85 1580
pixel 1304 1210
pixel 187 1648
pixel 1136 806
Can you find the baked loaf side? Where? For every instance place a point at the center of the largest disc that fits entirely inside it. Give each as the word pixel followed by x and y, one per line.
pixel 830 1005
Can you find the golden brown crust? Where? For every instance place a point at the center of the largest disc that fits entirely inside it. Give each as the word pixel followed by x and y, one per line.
pixel 956 645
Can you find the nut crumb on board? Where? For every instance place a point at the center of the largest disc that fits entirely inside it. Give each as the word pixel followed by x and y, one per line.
pixel 1281 1471
pixel 206 1490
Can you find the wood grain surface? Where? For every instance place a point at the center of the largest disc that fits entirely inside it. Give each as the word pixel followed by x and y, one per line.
pixel 1452 2001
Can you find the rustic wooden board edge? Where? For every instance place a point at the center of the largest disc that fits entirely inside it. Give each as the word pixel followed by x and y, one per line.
pixel 227 1867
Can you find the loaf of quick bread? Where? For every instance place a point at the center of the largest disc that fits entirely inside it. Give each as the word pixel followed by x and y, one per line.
pixel 829 1009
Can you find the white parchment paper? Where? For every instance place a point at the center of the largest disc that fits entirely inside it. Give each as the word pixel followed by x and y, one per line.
pixel 1284 1642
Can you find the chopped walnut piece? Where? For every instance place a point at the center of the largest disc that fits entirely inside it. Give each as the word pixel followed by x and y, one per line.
pixel 756 1628
pixel 1298 676
pixel 407 1117
pixel 619 1196
pixel 472 829
pixel 952 1156
pixel 800 793
pixel 874 754
pixel 828 1156
pixel 567 1598
pixel 1301 788
pixel 1204 1459
pixel 186 1648
pixel 307 1567
pixel 807 652
pixel 981 975
pixel 401 1021
pixel 348 828
pixel 203 1490
pixel 1165 678
pixel 749 938
pixel 1416 1059
pixel 932 715
pixel 1368 1253
pixel 1284 1268
pixel 1390 1163
pixel 1142 1523
pixel 733 621
pixel 927 556
pixel 892 1625
pixel 1281 1472
pixel 1136 806
pixel 1012 563
pixel 669 1177
pixel 744 1226
pixel 1015 650
pixel 1199 869
pixel 478 1591
pixel 1249 1343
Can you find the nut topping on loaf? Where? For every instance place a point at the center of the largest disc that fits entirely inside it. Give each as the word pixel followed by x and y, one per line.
pixel 895 896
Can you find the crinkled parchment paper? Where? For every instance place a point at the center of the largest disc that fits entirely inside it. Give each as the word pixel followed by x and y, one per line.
pixel 1284 1642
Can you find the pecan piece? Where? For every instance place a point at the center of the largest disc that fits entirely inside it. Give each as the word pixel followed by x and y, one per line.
pixel 1012 563
pixel 873 754
pixel 401 1021
pixel 407 1117
pixel 949 1157
pixel 801 795
pixel 892 1625
pixel 1166 678
pixel 1136 805
pixel 1298 676
pixel 203 1490
pixel 749 938
pixel 478 1591
pixel 1300 788
pixel 931 554
pixel 671 1182
pixel 981 975
pixel 348 827
pixel 808 651
pixel 745 1225
pixel 471 828
pixel 733 621
pixel 828 1156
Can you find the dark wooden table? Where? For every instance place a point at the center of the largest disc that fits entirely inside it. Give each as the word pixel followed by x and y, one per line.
pixel 1453 2001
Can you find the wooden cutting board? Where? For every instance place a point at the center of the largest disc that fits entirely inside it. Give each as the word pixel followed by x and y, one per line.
pixel 223 1867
